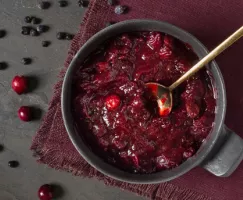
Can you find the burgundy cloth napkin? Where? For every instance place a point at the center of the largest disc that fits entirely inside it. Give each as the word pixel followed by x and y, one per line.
pixel 211 22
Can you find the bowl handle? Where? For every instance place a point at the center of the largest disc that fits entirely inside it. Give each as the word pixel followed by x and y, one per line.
pixel 228 156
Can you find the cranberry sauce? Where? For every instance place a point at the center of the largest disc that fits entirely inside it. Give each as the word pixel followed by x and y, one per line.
pixel 118 117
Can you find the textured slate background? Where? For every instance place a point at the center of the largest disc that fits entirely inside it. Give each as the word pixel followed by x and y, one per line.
pixel 23 182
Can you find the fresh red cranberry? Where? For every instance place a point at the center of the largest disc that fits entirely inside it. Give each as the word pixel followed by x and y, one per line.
pixel 45 192
pixel 24 113
pixel 19 84
pixel 112 102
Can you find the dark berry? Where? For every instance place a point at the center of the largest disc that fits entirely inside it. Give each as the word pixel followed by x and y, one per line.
pixel 36 20
pixel 111 2
pixel 44 5
pixel 112 102
pixel 26 61
pixel 120 9
pixel 61 35
pixel 42 28
pixel 2 33
pixel 3 65
pixel 45 192
pixel 19 84
pixel 69 36
pixel 45 43
pixel 34 32
pixel 63 3
pixel 28 19
pixel 13 163
pixel 1 148
pixel 83 3
pixel 26 30
pixel 24 113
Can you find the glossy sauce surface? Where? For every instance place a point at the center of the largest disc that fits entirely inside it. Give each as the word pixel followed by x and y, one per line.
pixel 117 115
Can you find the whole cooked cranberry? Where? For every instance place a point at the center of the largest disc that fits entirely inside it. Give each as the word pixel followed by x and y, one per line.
pixel 112 102
pixel 19 84
pixel 45 192
pixel 24 113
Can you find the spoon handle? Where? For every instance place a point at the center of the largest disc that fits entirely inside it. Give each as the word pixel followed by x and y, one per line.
pixel 219 49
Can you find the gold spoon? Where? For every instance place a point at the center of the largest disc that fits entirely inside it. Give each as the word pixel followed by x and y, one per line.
pixel 164 94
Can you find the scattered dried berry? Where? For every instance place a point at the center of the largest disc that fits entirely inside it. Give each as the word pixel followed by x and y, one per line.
pixel 45 192
pixel 26 30
pixel 63 3
pixel 2 33
pixel 28 19
pixel 61 35
pixel 120 9
pixel 13 163
pixel 24 113
pixel 1 148
pixel 36 20
pixel 34 32
pixel 83 3
pixel 3 65
pixel 24 33
pixel 44 5
pixel 19 84
pixel 69 36
pixel 45 43
pixel 26 61
pixel 42 28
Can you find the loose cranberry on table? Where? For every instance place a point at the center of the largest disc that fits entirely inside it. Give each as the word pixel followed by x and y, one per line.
pixel 45 192
pixel 19 84
pixel 24 113
pixel 121 119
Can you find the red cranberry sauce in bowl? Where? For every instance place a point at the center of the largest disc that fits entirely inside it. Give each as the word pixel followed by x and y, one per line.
pixel 117 116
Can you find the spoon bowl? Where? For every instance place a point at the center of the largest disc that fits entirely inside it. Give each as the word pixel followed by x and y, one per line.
pixel 163 96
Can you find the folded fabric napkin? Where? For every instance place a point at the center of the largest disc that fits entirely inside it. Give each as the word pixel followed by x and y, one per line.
pixel 211 22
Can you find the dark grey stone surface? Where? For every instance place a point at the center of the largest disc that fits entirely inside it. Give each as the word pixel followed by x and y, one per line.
pixel 22 183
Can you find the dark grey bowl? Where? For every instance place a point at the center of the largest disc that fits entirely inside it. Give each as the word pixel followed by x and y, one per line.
pixel 212 154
